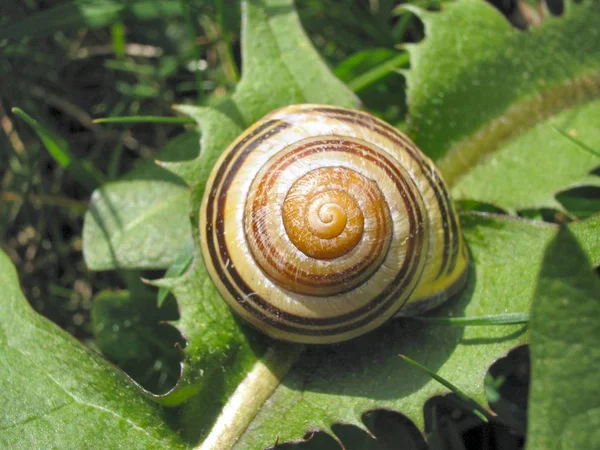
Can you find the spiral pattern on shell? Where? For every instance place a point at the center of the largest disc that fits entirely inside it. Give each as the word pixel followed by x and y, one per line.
pixel 320 223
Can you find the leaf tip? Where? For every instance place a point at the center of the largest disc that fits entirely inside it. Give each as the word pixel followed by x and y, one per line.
pixel 416 10
pixel 168 283
pixel 189 110
pixel 183 169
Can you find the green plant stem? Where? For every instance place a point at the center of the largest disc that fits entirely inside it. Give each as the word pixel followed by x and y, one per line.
pixel 250 395
pixel 118 39
pixel 377 73
pixel 144 119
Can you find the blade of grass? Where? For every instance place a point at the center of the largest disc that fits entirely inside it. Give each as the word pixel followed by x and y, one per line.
pixel 118 39
pixel 478 410
pixel 60 152
pixel 498 319
pixel 379 72
pixel 577 142
pixel 402 25
pixel 144 119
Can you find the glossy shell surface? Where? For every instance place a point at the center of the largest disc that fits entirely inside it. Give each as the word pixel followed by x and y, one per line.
pixel 320 223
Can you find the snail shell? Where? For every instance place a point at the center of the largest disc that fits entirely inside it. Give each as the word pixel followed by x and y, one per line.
pixel 319 223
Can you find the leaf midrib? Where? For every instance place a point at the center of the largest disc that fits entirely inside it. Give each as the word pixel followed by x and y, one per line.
pixel 518 118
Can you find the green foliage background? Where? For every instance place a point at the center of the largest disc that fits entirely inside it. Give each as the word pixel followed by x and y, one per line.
pixel 509 116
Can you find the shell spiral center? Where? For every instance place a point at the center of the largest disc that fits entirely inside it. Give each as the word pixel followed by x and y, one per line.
pixel 335 230
pixel 322 216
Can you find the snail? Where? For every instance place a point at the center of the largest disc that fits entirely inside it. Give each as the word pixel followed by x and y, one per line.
pixel 319 223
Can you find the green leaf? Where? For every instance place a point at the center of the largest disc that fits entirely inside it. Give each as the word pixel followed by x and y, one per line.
pixel 179 267
pixel 564 399
pixel 140 221
pixel 219 353
pixel 55 393
pixel 471 92
pixel 506 178
pixel 130 331
pixel 581 202
pixel 340 383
